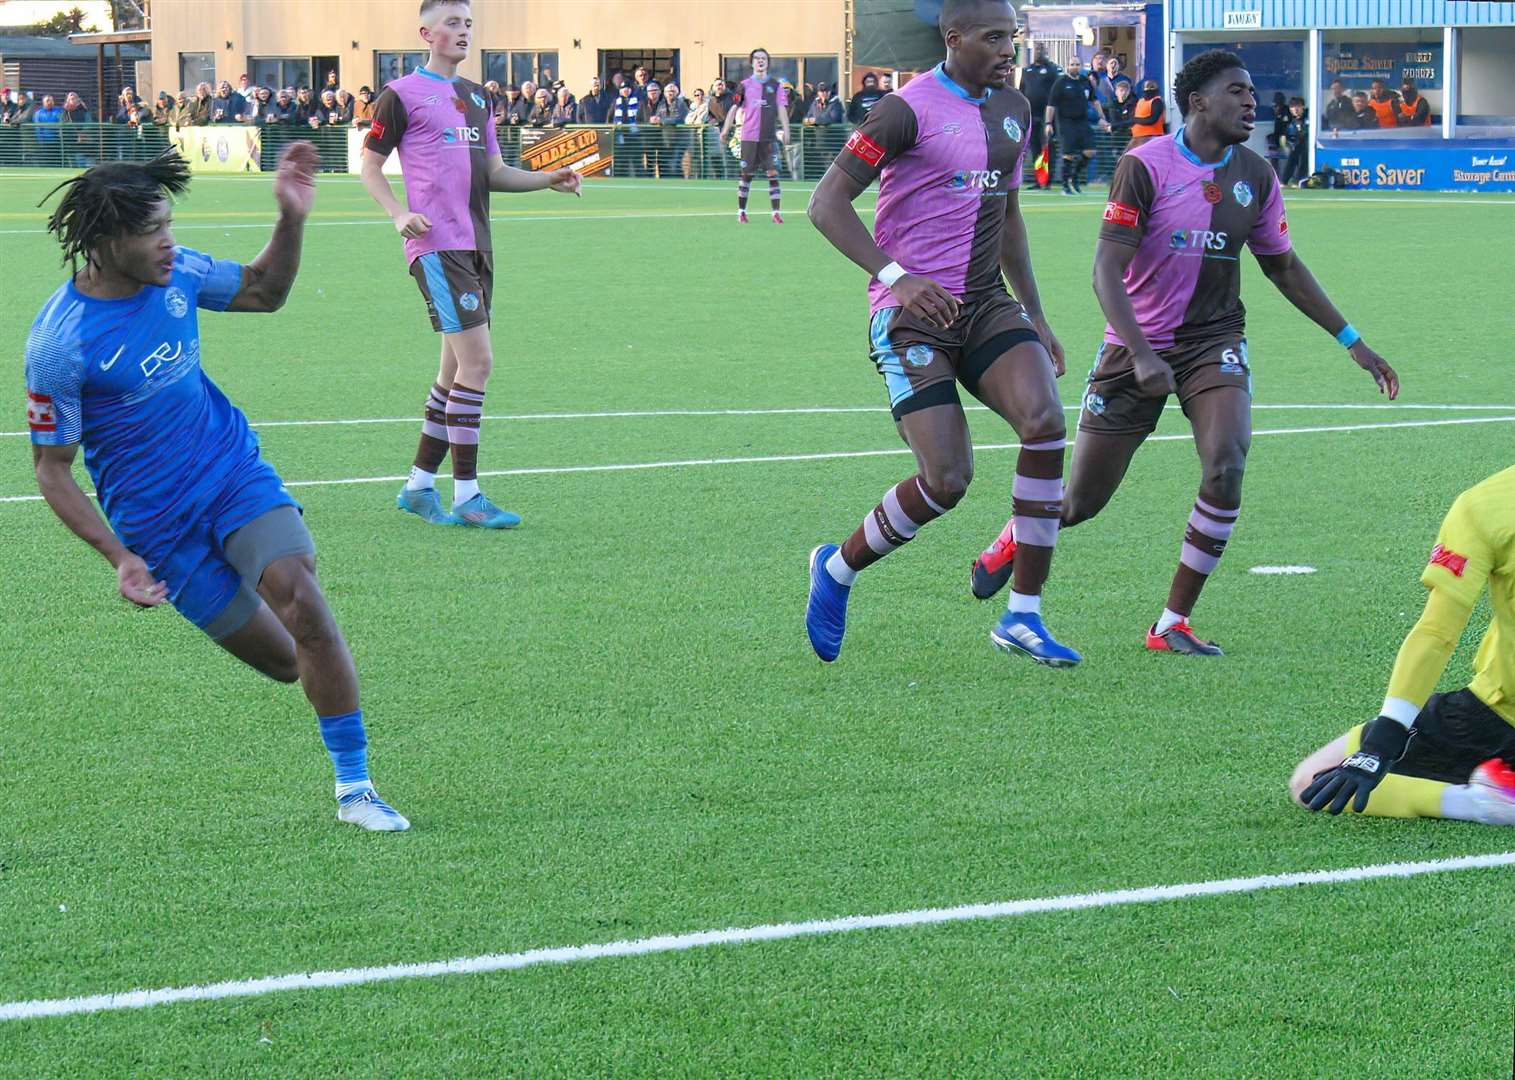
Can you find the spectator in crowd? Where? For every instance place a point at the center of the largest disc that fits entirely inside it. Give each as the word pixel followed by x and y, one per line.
pixel 1385 103
pixel 565 110
pixel 259 100
pixel 670 115
pixel 1110 78
pixel 1275 138
pixel 624 116
pixel 331 111
pixel 74 145
pixel 825 110
pixel 1414 110
pixel 227 107
pixel 74 110
pixel 1363 116
pixel 1037 78
pixel 47 119
pixel 1297 141
pixel 595 104
pixel 798 101
pixel 362 109
pixel 331 83
pixel 124 102
pixel 163 111
pixel 1148 116
pixel 307 108
pixel 178 116
pixel 529 95
pixel 1096 69
pixel 7 105
pixel 1339 108
pixel 282 111
pixel 199 108
pixel 699 108
pixel 540 115
pixel 246 88
pixel 345 107
pixel 517 107
pixel 721 99
pixel 642 77
pixel 864 100
pixel 886 83
pixel 1121 109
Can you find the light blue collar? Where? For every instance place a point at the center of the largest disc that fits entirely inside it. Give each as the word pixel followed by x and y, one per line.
pixel 1183 148
pixel 423 70
pixel 940 71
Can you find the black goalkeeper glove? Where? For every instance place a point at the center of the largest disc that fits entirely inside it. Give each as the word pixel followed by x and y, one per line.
pixel 1383 743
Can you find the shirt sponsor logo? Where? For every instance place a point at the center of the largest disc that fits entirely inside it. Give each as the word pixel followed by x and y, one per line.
pixel 1118 213
pixel 377 130
pixel 1442 556
pixel 1212 192
pixel 462 133
pixel 864 148
pixel 1012 129
pixel 918 355
pixel 978 179
pixel 39 412
pixel 163 354
pixel 1283 226
pixel 176 302
pixel 1243 192
pixel 469 301
pixel 1206 239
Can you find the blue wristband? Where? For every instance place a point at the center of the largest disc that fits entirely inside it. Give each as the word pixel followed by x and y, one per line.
pixel 1348 336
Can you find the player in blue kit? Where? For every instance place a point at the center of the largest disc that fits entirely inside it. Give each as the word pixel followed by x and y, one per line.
pixel 197 517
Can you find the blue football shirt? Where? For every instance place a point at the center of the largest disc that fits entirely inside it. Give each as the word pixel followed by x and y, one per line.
pixel 123 377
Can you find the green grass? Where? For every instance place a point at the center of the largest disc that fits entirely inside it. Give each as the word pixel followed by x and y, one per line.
pixel 608 724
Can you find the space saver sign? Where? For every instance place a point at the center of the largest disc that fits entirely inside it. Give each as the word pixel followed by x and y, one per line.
pixel 1438 167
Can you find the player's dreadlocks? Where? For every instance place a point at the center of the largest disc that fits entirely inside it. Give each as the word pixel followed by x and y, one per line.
pixel 1201 70
pixel 109 200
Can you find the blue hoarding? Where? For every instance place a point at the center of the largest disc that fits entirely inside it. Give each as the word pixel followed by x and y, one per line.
pixel 1420 166
pixel 1358 63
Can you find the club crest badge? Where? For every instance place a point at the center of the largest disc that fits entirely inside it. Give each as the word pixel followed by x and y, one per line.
pixel 1243 192
pixel 1012 129
pixel 918 355
pixel 176 302
pixel 469 301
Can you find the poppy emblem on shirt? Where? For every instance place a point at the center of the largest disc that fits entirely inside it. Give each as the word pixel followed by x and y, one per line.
pixel 1012 129
pixel 1243 192
pixel 176 303
pixel 459 104
pixel 1212 192
pixel 1442 556
pixel 39 412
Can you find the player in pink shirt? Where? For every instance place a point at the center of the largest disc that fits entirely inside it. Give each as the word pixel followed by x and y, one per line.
pixel 1167 272
pixel 765 130
pixel 450 154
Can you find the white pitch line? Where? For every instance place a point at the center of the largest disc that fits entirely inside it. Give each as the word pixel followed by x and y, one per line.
pixel 666 943
pixel 798 410
pixel 834 455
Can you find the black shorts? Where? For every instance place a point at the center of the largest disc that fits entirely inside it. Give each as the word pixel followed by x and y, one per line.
pixel 922 364
pixel 1074 137
pixel 1454 734
pixel 1114 406
pixel 457 286
pixel 760 156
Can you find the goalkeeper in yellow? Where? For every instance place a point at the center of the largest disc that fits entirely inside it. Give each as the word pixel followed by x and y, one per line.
pixel 1440 755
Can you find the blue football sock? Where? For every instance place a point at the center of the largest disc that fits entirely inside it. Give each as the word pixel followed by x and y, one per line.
pixel 348 746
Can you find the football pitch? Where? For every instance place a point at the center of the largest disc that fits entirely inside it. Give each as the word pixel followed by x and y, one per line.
pixel 608 726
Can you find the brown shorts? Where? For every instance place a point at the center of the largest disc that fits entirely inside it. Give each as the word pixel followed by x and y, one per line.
pixel 922 364
pixel 457 286
pixel 760 156
pixel 1113 406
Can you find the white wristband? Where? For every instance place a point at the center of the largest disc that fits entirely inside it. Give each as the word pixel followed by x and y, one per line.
pixel 891 273
pixel 1399 709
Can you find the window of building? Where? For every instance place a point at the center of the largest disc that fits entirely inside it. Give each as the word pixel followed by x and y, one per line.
pixel 196 68
pixel 1357 59
pixel 279 71
pixel 540 67
pixel 1486 108
pixel 661 64
pixel 393 65
pixel 798 70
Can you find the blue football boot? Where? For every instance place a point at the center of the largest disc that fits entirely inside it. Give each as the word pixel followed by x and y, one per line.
pixel 1023 633
pixel 480 513
pixel 826 611
pixel 425 504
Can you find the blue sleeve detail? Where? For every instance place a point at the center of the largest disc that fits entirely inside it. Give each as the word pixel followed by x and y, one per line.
pixel 54 386
pixel 217 280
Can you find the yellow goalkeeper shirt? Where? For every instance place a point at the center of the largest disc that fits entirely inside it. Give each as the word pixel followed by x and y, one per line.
pixel 1475 547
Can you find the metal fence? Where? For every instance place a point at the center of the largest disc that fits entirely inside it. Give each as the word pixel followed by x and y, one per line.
pixel 644 151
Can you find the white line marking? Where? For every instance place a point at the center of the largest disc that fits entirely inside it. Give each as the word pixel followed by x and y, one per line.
pixel 476 965
pixel 1282 570
pixel 833 455
pixel 799 410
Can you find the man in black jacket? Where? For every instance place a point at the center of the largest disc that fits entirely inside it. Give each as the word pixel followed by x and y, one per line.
pixel 864 100
pixel 1339 111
